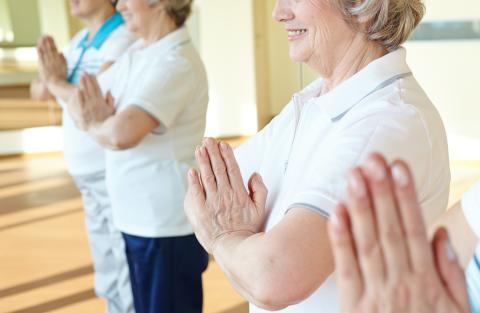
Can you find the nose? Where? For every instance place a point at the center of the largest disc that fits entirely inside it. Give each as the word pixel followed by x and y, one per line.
pixel 282 11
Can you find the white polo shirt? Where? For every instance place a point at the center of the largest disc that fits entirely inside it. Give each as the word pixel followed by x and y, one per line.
pixel 305 153
pixel 147 183
pixel 83 155
pixel 471 208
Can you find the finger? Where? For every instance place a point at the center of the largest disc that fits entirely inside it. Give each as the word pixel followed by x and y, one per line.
pixel 110 100
pixel 196 194
pixel 389 223
pixel 96 86
pixel 349 278
pixel 90 90
pixel 451 274
pixel 218 164
pixel 413 224
pixel 364 229
pixel 258 190
pixel 51 45
pixel 47 47
pixel 89 87
pixel 233 170
pixel 83 82
pixel 207 177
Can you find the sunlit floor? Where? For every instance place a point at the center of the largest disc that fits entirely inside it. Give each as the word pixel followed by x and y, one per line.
pixel 44 258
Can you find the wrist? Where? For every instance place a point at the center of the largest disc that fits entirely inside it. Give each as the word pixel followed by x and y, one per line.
pixel 229 239
pixel 53 82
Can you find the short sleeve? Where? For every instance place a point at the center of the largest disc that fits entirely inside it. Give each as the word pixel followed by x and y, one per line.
pixel 471 208
pixel 164 92
pixel 394 136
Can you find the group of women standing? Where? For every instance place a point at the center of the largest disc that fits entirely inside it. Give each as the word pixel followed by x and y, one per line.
pixel 135 95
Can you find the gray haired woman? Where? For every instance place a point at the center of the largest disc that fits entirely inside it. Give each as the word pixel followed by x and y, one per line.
pixel 263 211
pixel 148 111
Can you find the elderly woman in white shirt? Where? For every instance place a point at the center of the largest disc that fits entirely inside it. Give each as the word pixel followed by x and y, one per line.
pixel 148 111
pixel 263 211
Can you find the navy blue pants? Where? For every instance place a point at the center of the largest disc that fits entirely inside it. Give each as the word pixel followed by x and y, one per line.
pixel 166 273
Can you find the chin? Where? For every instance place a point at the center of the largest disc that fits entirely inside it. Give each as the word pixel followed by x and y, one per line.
pixel 130 26
pixel 298 56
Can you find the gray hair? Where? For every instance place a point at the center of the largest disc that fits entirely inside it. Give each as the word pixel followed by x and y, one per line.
pixel 388 22
pixel 178 10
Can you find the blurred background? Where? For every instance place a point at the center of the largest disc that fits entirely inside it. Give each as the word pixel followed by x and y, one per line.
pixel 43 250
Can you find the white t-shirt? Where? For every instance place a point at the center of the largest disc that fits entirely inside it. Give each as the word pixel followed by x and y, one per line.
pixel 471 208
pixel 305 153
pixel 147 183
pixel 83 155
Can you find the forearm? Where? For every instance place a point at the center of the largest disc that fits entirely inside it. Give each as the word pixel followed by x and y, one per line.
pixel 271 270
pixel 61 89
pixel 107 134
pixel 246 264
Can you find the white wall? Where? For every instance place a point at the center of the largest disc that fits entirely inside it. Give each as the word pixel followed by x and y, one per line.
pixel 5 21
pixel 448 71
pixel 227 48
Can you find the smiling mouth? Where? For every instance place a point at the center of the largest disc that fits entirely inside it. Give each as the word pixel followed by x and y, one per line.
pixel 296 32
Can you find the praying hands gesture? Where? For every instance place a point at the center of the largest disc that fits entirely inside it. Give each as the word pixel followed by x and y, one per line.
pixel 88 107
pixel 52 64
pixel 384 260
pixel 217 202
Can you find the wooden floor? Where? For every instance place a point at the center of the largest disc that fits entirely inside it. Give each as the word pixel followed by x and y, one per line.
pixel 44 258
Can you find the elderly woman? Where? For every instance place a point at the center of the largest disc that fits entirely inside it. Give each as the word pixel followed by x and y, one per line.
pixel 92 50
pixel 148 110
pixel 263 211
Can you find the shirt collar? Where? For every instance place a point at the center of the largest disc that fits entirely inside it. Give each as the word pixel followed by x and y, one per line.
pixel 376 75
pixel 176 38
pixel 111 24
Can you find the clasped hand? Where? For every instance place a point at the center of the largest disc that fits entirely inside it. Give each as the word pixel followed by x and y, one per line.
pixel 217 202
pixel 88 106
pixel 52 65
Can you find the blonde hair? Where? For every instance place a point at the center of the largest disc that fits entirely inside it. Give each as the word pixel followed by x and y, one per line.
pixel 178 10
pixel 388 22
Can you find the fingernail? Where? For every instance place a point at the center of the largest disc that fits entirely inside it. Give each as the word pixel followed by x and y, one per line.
pixel 209 141
pixel 450 251
pixel 259 177
pixel 357 184
pixel 400 176
pixel 377 170
pixel 223 146
pixel 191 172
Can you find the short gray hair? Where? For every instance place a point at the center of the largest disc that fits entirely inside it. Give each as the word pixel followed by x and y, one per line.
pixel 389 22
pixel 178 10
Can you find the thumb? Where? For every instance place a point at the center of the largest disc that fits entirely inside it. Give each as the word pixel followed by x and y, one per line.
pixel 110 100
pixel 451 274
pixel 258 190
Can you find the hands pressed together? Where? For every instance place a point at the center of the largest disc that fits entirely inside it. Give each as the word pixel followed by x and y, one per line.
pixel 384 260
pixel 217 202
pixel 52 66
pixel 88 106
